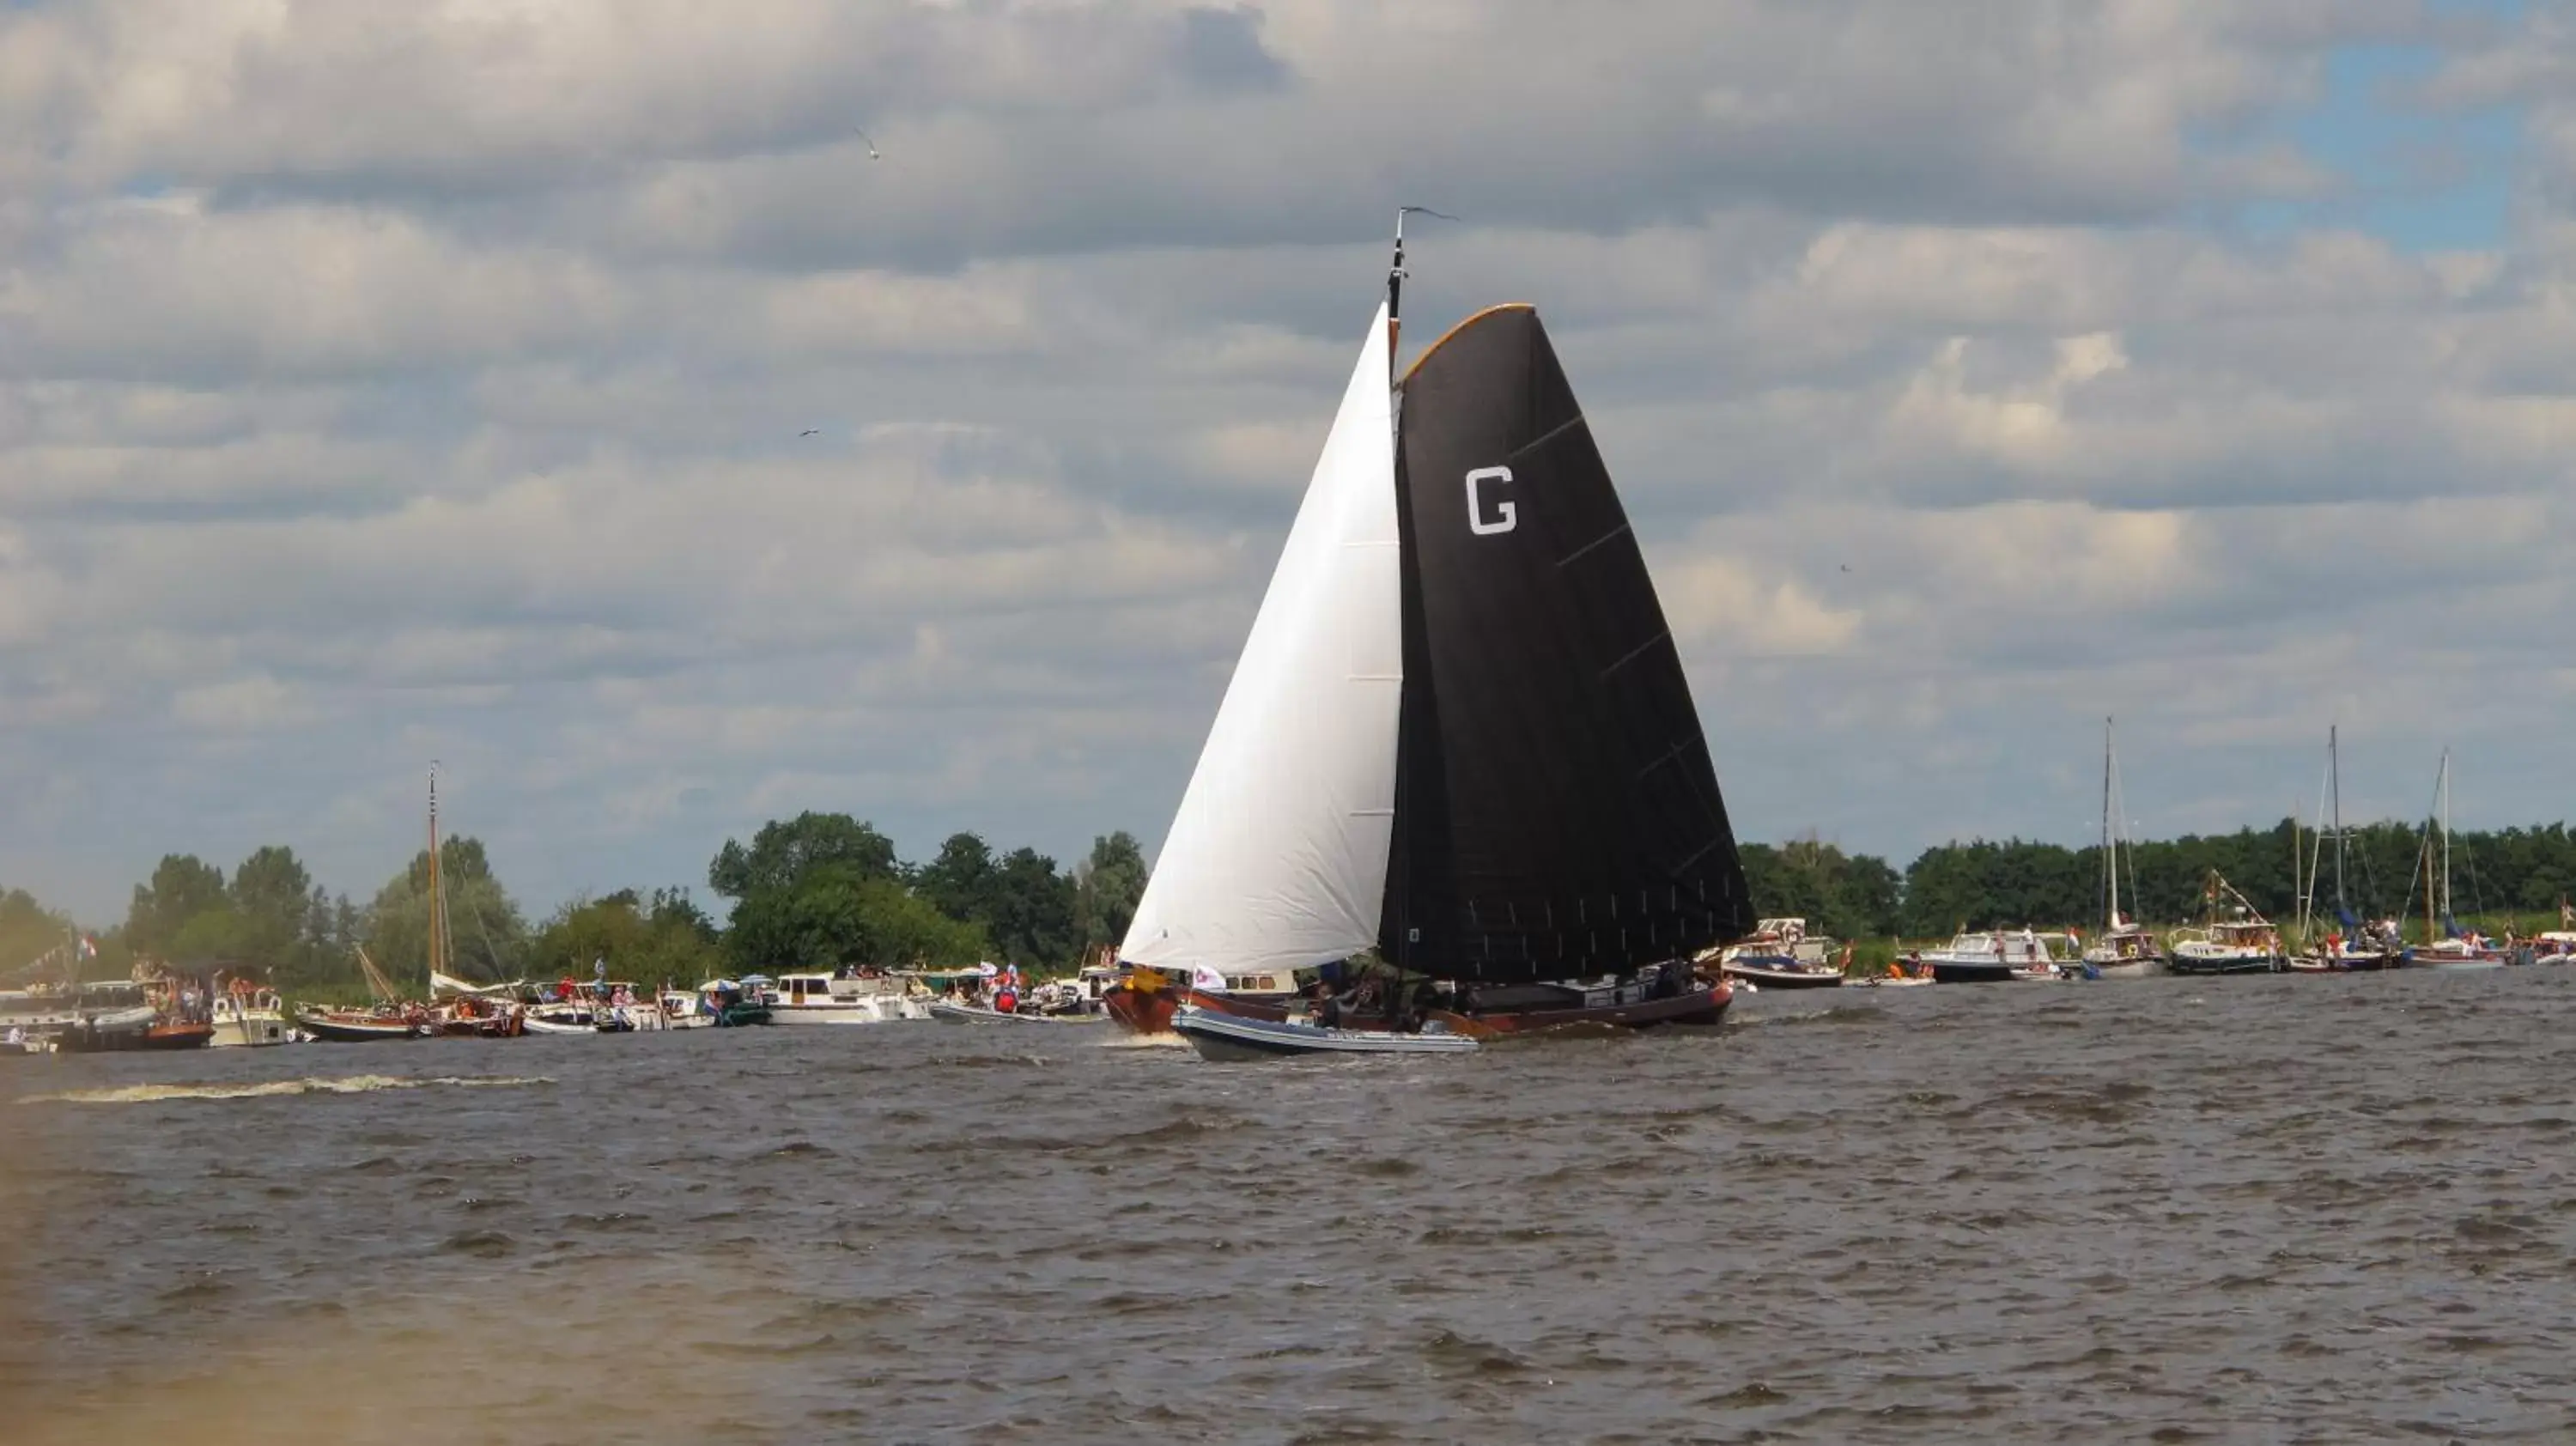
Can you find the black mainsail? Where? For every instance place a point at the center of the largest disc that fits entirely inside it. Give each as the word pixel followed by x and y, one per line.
pixel 1557 815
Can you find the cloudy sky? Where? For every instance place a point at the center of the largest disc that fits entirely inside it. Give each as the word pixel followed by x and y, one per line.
pixel 388 382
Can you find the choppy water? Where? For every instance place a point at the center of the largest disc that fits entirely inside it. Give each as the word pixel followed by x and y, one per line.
pixel 2240 1210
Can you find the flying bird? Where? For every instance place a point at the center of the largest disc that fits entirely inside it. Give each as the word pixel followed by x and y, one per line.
pixel 810 431
pixel 1846 567
pixel 872 145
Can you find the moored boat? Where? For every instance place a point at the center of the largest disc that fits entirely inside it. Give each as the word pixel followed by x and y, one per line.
pixel 813 997
pixel 359 1026
pixel 1992 956
pixel 2451 948
pixel 1781 954
pixel 2124 949
pixel 948 1012
pixel 248 1016
pixel 2235 939
pixel 120 1033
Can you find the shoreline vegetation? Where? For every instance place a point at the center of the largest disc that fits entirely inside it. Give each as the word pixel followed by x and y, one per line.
pixel 826 890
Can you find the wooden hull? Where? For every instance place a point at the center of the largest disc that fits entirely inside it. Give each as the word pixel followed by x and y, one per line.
pixel 156 1037
pixel 1698 1007
pixel 354 1031
pixel 1963 972
pixel 2250 964
pixel 1150 1011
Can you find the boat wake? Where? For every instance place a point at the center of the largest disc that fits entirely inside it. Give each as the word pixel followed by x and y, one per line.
pixel 355 1084
pixel 1123 1040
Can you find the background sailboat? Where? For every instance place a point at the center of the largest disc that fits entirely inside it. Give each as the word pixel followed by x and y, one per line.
pixel 2447 946
pixel 2125 950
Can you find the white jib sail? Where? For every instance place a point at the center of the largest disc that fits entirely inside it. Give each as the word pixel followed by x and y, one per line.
pixel 1277 858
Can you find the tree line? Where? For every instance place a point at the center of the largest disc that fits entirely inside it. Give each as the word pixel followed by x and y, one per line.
pixel 825 890
pixel 1985 884
pixel 819 891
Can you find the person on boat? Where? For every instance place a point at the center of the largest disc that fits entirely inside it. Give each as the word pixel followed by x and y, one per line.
pixel 1320 1002
pixel 1005 1001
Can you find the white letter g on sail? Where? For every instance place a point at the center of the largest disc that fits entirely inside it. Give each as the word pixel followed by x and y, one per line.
pixel 1505 515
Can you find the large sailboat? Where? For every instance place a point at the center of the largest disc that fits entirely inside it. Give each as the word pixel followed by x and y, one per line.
pixel 469 1011
pixel 2126 949
pixel 1459 734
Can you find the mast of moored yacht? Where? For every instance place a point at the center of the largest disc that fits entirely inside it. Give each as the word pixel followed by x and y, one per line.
pixel 2449 911
pixel 2334 787
pixel 2110 859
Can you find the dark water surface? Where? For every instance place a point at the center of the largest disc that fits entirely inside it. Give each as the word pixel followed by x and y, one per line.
pixel 2279 1209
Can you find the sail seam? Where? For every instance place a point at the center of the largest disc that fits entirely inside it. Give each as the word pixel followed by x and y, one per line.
pixel 1569 559
pixel 1699 853
pixel 1637 652
pixel 1543 438
pixel 1667 756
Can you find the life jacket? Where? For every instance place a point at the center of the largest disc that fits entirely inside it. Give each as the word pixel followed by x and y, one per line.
pixel 1006 1003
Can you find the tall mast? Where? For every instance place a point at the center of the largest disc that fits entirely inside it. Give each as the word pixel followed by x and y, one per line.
pixel 2334 785
pixel 2448 911
pixel 2110 858
pixel 437 898
pixel 1395 274
pixel 1395 293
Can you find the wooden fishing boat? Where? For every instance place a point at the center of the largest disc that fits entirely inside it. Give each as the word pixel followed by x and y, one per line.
pixel 1144 1000
pixel 1577 1011
pixel 1458 737
pixel 353 1026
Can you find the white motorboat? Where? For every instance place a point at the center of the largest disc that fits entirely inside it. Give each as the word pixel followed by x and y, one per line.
pixel 249 1018
pixel 1994 957
pixel 1781 954
pixel 1233 1038
pixel 817 998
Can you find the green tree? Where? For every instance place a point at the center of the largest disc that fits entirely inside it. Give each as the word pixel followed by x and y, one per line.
pixel 272 884
pixel 783 853
pixel 841 914
pixel 1031 918
pixel 490 934
pixel 28 932
pixel 961 881
pixel 648 942
pixel 182 887
pixel 1108 885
